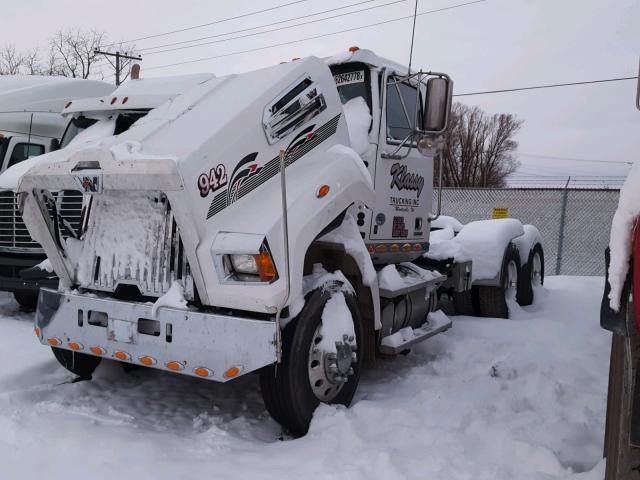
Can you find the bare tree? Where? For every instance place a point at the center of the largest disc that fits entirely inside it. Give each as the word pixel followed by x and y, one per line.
pixel 479 148
pixel 74 51
pixel 10 60
pixel 31 62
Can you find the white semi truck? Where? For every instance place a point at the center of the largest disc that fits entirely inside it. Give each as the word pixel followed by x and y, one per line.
pixel 31 125
pixel 272 221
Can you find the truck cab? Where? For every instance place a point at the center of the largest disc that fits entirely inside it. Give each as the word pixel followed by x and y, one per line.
pixel 271 221
pixel 31 125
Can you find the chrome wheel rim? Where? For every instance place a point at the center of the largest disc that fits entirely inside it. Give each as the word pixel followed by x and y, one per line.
pixel 329 372
pixel 511 287
pixel 536 270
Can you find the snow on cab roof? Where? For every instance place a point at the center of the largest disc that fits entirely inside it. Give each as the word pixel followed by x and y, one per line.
pixel 141 93
pixel 34 93
pixel 355 54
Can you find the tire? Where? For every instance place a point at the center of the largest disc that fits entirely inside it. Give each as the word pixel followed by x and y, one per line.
pixel 466 303
pixel 622 458
pixel 532 275
pixel 27 300
pixel 80 364
pixel 493 300
pixel 286 387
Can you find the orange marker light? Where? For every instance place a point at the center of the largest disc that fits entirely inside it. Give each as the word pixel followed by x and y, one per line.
pixel 54 342
pixel 394 248
pixel 381 248
pixel 38 332
pixel 98 350
pixel 233 372
pixel 406 247
pixel 68 104
pixel 266 268
pixel 120 355
pixel 113 100
pixel 354 49
pixel 75 346
pixel 175 366
pixel 323 191
pixel 148 361
pixel 125 100
pixel 202 372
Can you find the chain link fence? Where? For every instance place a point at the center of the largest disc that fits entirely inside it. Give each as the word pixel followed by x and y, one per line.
pixel 574 222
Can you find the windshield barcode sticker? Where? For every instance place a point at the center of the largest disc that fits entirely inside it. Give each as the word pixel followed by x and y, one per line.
pixel 349 77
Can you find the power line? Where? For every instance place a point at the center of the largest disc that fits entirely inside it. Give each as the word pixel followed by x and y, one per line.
pixel 271 24
pixel 317 36
pixel 193 27
pixel 537 87
pixel 275 29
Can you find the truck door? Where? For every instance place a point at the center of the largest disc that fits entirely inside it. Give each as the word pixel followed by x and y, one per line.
pixel 20 149
pixel 403 177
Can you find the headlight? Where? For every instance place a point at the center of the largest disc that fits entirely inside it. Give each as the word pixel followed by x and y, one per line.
pixel 243 263
pixel 253 267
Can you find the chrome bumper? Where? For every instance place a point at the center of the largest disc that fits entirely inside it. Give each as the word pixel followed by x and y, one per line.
pixel 187 342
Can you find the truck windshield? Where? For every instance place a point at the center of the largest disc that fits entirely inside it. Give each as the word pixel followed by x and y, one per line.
pixel 352 80
pixel 76 125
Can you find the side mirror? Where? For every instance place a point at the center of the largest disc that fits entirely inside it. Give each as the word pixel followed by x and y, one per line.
pixel 55 145
pixel 437 105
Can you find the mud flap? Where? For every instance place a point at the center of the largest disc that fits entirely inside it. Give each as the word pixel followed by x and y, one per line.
pixel 611 320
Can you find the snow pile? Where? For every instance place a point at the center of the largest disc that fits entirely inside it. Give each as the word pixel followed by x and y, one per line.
pixel 406 334
pixel 443 221
pixel 348 235
pixel 132 150
pixel 444 245
pixel 319 278
pixel 358 117
pixel 174 298
pixel 339 149
pixel 45 265
pixel 486 241
pixel 527 241
pixel 621 234
pixel 488 399
pixel 392 278
pixel 342 57
pixel 93 134
pixel 336 323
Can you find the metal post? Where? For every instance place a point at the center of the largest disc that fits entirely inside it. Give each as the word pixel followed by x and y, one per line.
pixel 563 215
pixel 118 69
pixel 285 233
pixel 118 56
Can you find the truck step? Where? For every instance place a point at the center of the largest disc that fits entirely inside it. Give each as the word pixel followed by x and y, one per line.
pixel 437 322
pixel 399 279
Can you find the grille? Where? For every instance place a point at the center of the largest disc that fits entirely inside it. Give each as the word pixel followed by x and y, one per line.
pixel 132 238
pixel 14 235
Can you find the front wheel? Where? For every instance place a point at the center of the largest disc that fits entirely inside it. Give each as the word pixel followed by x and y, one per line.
pixel 27 300
pixel 315 369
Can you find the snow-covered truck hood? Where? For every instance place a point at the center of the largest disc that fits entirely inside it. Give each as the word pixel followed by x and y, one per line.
pixel 208 150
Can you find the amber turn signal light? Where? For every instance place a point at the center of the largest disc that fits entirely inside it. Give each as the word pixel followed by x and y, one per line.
pixel 266 268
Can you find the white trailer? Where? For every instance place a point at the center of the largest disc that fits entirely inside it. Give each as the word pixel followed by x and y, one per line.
pixel 271 221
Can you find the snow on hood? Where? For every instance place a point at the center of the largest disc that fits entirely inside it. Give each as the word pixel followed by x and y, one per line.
pixel 358 117
pixel 621 233
pixel 444 221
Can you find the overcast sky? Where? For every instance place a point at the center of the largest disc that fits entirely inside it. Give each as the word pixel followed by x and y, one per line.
pixel 490 45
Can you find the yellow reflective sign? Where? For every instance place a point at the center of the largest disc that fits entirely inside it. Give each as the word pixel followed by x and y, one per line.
pixel 500 213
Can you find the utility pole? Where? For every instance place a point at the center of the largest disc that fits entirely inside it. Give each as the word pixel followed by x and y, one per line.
pixel 118 56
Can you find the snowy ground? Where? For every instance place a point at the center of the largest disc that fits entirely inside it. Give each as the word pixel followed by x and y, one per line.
pixel 490 399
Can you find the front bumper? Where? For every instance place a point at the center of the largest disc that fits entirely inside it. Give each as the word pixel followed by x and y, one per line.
pixel 193 343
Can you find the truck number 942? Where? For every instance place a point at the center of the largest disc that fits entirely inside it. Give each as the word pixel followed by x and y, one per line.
pixel 212 181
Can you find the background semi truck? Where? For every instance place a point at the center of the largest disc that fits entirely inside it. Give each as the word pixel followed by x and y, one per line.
pixel 31 125
pixel 273 221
